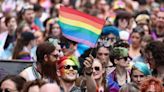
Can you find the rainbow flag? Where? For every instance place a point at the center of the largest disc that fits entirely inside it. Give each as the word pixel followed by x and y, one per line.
pixel 80 27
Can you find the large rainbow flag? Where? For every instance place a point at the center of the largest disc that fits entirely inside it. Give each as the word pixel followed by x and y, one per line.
pixel 80 27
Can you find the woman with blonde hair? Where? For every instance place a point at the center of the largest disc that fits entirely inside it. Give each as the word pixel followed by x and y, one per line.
pixel 139 72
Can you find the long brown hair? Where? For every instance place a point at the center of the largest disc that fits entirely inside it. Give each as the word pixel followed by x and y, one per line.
pixel 48 68
pixel 19 47
pixel 106 89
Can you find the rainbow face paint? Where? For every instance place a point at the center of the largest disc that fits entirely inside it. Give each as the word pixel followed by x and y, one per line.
pixel 64 64
pixel 68 67
pixel 68 71
pixel 68 60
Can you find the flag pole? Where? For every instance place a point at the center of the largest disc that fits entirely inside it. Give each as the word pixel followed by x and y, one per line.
pixel 96 42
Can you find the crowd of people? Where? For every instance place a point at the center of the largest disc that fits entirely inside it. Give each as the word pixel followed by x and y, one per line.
pixel 128 56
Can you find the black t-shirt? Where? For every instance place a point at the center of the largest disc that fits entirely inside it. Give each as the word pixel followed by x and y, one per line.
pixel 9 40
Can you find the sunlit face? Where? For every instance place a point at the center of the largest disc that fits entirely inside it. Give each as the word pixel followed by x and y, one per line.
pixel 135 39
pixel 137 76
pixel 103 54
pixel 34 89
pixel 98 70
pixel 68 71
pixel 9 85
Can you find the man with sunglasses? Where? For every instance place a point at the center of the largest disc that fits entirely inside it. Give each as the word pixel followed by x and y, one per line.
pixel 45 67
pixel 67 70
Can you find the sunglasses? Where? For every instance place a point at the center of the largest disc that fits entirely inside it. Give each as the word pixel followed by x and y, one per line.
pixel 66 45
pixel 96 68
pixel 54 55
pixel 136 76
pixel 125 58
pixel 111 39
pixel 69 66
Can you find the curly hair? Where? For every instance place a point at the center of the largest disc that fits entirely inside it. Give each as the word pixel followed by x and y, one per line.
pixel 157 50
pixel 151 81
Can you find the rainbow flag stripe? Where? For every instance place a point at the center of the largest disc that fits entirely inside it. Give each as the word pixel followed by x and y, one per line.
pixel 80 27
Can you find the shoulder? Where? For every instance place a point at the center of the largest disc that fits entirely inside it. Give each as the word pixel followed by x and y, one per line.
pixel 26 72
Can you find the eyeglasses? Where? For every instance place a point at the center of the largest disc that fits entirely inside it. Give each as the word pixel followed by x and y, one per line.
pixel 96 68
pixel 112 39
pixel 100 54
pixel 66 45
pixel 69 66
pixel 54 55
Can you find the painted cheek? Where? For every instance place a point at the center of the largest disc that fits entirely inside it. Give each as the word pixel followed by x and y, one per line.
pixel 63 72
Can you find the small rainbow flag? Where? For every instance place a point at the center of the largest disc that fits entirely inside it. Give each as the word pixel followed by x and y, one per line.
pixel 80 27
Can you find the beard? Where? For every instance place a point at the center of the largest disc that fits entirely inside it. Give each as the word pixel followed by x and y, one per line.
pixel 48 69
